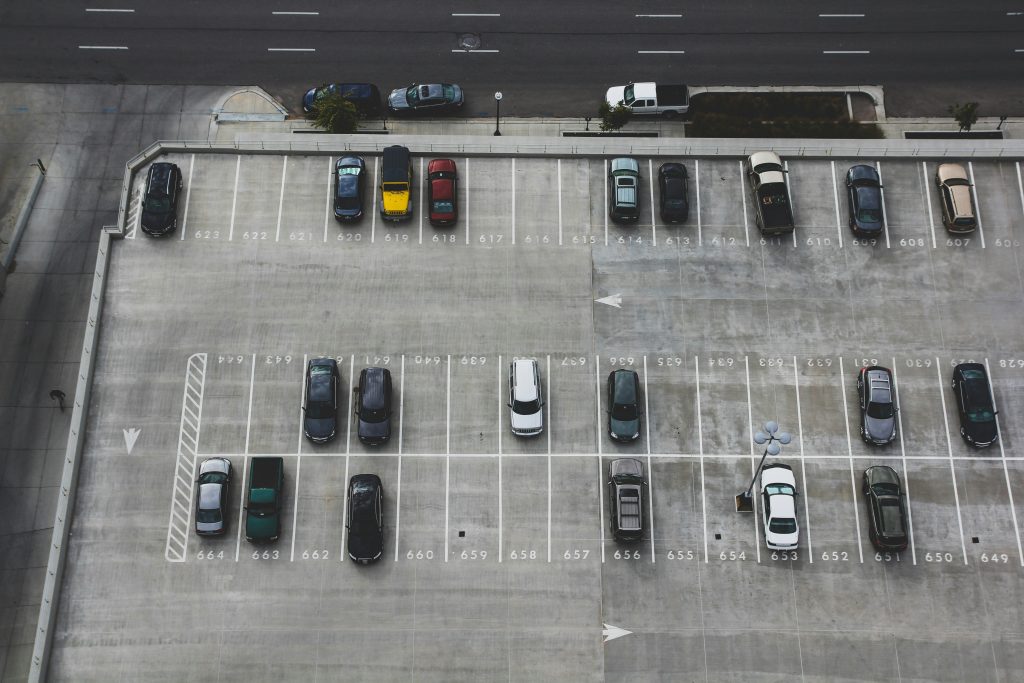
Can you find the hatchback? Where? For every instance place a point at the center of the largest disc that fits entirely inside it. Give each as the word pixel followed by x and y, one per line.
pixel 887 512
pixel 624 405
pixel 673 186
pixel 955 198
pixel 974 403
pixel 524 397
pixel 365 523
pixel 877 403
pixel 626 486
pixel 320 419
pixel 373 406
pixel 160 202
pixel 442 192
pixel 349 188
pixel 864 192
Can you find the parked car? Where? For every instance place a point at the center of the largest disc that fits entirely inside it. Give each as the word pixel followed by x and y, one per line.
pixel 320 420
pixel 433 98
pixel 373 406
pixel 365 97
pixel 396 184
pixel 524 398
pixel 887 511
pixel 212 497
pixel 767 177
pixel 160 201
pixel 778 500
pixel 263 499
pixel 975 405
pixel 864 192
pixel 624 190
pixel 349 188
pixel 877 403
pixel 365 518
pixel 673 187
pixel 955 198
pixel 626 486
pixel 442 192
pixel 624 405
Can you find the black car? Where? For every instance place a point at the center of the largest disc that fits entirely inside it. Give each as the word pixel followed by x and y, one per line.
pixel 349 188
pixel 887 508
pixel 435 98
pixel 160 202
pixel 673 184
pixel 974 403
pixel 373 406
pixel 624 405
pixel 321 409
pixel 365 518
pixel 864 191
pixel 365 97
pixel 214 492
pixel 877 405
pixel 626 498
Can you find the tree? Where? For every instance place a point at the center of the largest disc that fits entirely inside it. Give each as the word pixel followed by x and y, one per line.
pixel 613 118
pixel 335 114
pixel 965 114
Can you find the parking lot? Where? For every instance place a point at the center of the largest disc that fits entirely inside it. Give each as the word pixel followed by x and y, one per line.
pixel 498 560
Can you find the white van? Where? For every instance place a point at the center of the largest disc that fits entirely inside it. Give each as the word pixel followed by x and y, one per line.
pixel 525 398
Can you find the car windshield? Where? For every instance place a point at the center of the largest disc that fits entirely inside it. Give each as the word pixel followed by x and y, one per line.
pixel 158 205
pixel 413 95
pixel 373 415
pixel 779 489
pixel 526 407
pixel 674 203
pixel 627 95
pixel 892 519
pixel 981 415
pixel 208 516
pixel 951 182
pixel 623 411
pixel 443 206
pixel 782 525
pixel 869 215
pixel 449 93
pixel 880 411
pixel 213 478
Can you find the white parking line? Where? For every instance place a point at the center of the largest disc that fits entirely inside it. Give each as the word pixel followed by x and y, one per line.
pixel 401 426
pixel 743 203
pixel 280 202
pixel 696 180
pixel 245 461
pixel 605 205
pixel 422 195
pixel 348 421
pixel 903 457
pixel 447 448
pixel 650 185
pixel 327 205
pixel 600 470
pixel 513 200
pixel 928 200
pixel 348 444
pixel 835 197
pixel 803 466
pixel 376 184
pixel 248 419
pixel 183 490
pixel 1006 473
pixel 559 203
pixel 298 449
pixel 952 469
pixel 849 449
pixel 977 206
pixel 234 197
pixel 885 214
pixel 109 10
pixel 753 455
pixel 659 16
pixel 548 406
pixel 661 52
pixel 1020 189
pixel 501 411
pixel 789 195
pixel 700 447
pixel 465 212
pixel 188 192
pixel 650 470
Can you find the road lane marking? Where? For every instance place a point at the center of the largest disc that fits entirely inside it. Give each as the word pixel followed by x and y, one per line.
pixel 840 16
pixel 465 211
pixel 659 16
pixel 291 49
pixel 605 212
pixel 301 14
pixel 789 195
pixel 559 209
pixel 650 184
pixel 743 202
pixel 501 411
pixel 330 192
pixel 885 214
pixel 475 50
pixel 280 203
pixel 298 449
pixel 977 206
pixel 447 449
pixel 849 449
pixel 513 200
pixel 903 457
pixel 700 447
pixel 188 193
pixel 105 9
pixel 846 52
pixel 234 197
pixel 475 14
pixel 401 425
pixel 952 469
pixel 423 199
pixel 803 465
pixel 1006 473
pixel 650 469
pixel 696 179
pixel 548 411
pixel 928 200
pixel 600 472
pixel 753 455
pixel 187 455
pixel 660 52
pixel 1020 188
pixel 376 184
pixel 835 197
pixel 102 47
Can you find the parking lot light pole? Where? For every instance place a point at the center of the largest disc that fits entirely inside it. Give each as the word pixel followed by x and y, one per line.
pixel 772 437
pixel 497 113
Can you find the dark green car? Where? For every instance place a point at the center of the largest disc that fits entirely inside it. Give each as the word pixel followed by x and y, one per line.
pixel 624 405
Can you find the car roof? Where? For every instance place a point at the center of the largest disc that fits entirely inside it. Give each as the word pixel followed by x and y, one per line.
pixel 863 172
pixel 209 496
pixel 768 157
pixel 783 505
pixel 441 165
pixel 672 169
pixel 625 164
pixel 524 388
pixel 951 172
pixel 372 382
pixel 625 386
pixel 626 466
pixel 882 474
pixel 441 188
pixel 777 473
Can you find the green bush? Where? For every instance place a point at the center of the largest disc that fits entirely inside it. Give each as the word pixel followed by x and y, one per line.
pixel 334 114
pixel 711 125
pixel 772 106
pixel 613 118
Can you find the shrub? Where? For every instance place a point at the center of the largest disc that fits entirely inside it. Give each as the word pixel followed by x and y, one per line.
pixel 613 118
pixel 334 114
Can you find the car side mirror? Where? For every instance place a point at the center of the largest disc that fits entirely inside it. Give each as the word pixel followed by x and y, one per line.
pixel 508 405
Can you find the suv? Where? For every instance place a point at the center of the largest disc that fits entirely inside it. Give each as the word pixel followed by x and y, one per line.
pixel 974 403
pixel 373 406
pixel 624 190
pixel 524 398
pixel 877 405
pixel 955 197
pixel 887 512
pixel 673 185
pixel 160 203
pixel 624 405
pixel 365 518
pixel 320 412
pixel 396 184
pixel 626 498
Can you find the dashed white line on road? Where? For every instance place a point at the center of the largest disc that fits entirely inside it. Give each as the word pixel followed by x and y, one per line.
pixel 952 469
pixel 234 197
pixel 659 16
pixel 660 52
pixel 300 14
pixel 474 14
pixel 192 165
pixel 903 457
pixel 846 52
pixel 840 16
pixel 102 47
pixel 475 50
pixel 125 11
pixel 291 49
pixel 803 465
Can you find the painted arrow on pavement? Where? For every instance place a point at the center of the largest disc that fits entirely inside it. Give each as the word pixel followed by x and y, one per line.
pixel 130 437
pixel 613 632
pixel 611 300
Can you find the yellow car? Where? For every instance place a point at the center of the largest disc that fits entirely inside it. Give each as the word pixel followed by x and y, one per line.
pixel 396 184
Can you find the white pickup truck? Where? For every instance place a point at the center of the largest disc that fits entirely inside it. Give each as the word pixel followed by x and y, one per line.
pixel 651 99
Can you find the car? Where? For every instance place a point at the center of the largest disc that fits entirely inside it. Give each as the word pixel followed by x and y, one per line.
pixel 160 199
pixel 396 184
pixel 624 405
pixel 320 418
pixel 974 402
pixel 214 492
pixel 525 401
pixel 432 98
pixel 864 194
pixel 673 187
pixel 624 190
pixel 365 96
pixel 955 198
pixel 442 192
pixel 626 496
pixel 365 523
pixel 887 509
pixel 778 502
pixel 877 403
pixel 349 188
pixel 373 406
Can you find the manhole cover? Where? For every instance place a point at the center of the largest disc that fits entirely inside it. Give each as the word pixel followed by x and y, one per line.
pixel 469 41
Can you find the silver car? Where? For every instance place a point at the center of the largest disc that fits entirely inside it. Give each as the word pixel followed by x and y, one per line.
pixel 212 499
pixel 524 398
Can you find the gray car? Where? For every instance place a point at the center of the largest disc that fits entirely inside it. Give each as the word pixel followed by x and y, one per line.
pixel 624 190
pixel 877 405
pixel 626 486
pixel 624 405
pixel 212 498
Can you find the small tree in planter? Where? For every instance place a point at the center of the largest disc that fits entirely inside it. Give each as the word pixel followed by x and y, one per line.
pixel 335 114
pixel 613 118
pixel 966 115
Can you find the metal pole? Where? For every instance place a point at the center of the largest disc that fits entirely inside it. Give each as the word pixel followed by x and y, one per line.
pixel 756 472
pixel 497 113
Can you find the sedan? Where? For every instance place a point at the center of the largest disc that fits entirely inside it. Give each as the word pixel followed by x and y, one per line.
pixel 365 97
pixel 442 192
pixel 887 511
pixel 778 499
pixel 212 499
pixel 975 404
pixel 624 405
pixel 365 518
pixel 349 188
pixel 435 98
pixel 877 405
pixel 864 191
pixel 320 420
pixel 673 184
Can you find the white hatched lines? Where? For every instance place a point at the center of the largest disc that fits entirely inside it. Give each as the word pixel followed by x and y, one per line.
pixel 134 215
pixel 185 468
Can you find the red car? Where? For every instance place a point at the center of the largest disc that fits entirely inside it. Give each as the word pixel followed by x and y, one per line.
pixel 442 192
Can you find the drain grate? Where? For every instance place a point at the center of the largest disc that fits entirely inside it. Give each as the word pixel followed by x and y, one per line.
pixel 469 41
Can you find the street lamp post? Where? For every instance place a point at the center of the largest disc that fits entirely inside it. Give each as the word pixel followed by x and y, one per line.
pixel 772 437
pixel 497 113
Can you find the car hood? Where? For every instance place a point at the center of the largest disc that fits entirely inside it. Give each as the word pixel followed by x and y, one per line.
pixel 534 421
pixel 260 527
pixel 879 429
pixel 374 430
pixel 320 429
pixel 624 429
pixel 773 538
pixel 615 94
pixel 397 99
pixel 365 546
pixel 156 220
pixel 982 432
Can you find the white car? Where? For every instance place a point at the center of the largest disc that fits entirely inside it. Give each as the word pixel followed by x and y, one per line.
pixel 778 502
pixel 524 398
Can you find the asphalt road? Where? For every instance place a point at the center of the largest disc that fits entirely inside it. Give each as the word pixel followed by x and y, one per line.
pixel 547 58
